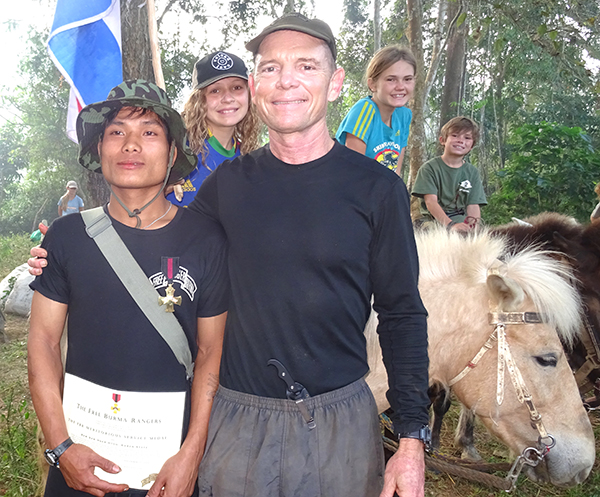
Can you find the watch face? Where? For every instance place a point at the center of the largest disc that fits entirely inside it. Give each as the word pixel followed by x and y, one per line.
pixel 50 457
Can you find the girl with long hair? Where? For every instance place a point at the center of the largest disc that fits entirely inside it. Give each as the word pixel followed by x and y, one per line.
pixel 378 125
pixel 219 117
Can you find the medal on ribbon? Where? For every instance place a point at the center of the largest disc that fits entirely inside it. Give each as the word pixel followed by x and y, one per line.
pixel 116 397
pixel 169 267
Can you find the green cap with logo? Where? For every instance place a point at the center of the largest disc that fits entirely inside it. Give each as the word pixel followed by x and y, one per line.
pixel 139 94
pixel 296 22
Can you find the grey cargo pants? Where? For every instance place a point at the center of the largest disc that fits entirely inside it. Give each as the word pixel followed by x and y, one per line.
pixel 263 447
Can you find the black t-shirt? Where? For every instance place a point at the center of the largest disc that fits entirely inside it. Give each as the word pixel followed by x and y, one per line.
pixel 308 246
pixel 110 340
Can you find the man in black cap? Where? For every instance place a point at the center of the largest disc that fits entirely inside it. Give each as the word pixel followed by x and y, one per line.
pixel 314 230
pixel 125 415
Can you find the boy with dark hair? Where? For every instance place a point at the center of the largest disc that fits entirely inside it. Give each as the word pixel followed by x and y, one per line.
pixel 450 187
pixel 125 414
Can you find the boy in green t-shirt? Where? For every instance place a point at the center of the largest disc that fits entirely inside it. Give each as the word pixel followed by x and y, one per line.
pixel 450 187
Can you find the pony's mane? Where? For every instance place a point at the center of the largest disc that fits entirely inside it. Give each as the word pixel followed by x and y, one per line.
pixel 453 255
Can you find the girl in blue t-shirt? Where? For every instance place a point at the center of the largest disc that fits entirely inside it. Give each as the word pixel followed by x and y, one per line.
pixel 378 126
pixel 219 117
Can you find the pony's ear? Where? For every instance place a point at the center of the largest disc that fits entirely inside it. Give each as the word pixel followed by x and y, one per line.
pixel 562 243
pixel 505 292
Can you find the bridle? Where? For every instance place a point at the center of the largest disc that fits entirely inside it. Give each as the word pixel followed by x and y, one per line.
pixel 530 456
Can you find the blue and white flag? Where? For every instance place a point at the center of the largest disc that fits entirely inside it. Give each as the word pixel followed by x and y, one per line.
pixel 85 45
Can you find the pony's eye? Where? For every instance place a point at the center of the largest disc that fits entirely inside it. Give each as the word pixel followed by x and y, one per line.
pixel 547 360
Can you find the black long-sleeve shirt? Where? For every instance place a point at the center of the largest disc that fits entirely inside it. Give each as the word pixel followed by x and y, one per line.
pixel 308 246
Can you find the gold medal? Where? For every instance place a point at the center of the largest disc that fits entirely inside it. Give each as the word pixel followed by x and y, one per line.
pixel 169 300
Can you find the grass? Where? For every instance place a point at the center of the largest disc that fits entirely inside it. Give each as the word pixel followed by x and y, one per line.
pixel 14 251
pixel 443 485
pixel 20 471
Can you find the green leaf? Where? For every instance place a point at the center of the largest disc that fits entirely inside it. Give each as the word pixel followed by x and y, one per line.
pixel 461 19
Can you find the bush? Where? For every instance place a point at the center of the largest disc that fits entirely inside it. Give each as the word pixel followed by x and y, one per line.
pixel 551 168
pixel 14 251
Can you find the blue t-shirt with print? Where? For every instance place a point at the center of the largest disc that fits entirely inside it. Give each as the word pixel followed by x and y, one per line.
pixel 384 143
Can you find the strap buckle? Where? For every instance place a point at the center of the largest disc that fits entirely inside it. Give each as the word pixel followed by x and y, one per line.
pixel 98 225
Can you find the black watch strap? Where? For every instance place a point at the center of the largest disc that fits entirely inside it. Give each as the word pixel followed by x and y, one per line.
pixel 53 455
pixel 423 434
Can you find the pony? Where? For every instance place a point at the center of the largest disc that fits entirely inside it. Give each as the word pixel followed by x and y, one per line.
pixel 464 281
pixel 579 247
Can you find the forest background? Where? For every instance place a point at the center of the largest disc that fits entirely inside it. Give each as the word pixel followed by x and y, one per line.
pixel 529 72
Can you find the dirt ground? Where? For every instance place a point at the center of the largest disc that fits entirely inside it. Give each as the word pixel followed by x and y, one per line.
pixel 13 377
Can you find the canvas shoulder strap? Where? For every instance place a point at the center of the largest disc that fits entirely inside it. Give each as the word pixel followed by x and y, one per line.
pixel 99 227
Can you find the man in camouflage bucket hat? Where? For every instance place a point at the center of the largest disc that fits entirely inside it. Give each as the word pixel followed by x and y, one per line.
pixel 137 94
pixel 138 142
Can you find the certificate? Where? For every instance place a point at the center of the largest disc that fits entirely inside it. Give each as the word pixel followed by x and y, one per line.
pixel 138 431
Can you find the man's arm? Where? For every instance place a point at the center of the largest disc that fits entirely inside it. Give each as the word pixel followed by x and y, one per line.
pixel 403 336
pixel 45 383
pixel 38 255
pixel 405 471
pixel 178 475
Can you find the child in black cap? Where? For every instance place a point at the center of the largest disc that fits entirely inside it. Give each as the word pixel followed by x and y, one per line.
pixel 219 117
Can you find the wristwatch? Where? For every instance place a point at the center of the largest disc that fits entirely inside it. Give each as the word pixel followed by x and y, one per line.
pixel 423 434
pixel 52 456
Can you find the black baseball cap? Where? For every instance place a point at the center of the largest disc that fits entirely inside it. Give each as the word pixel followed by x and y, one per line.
pixel 216 66
pixel 296 22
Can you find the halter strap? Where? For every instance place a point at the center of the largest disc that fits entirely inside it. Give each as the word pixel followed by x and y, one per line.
pixel 506 361
pixel 516 318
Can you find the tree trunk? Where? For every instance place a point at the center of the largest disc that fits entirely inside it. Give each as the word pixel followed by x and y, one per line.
pixel 137 57
pixel 96 189
pixel 376 25
pixel 137 64
pixel 417 139
pixel 455 63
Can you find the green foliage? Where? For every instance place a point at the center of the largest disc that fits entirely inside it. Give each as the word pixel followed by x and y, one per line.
pixel 14 251
pixel 551 168
pixel 18 466
pixel 38 145
pixel 12 159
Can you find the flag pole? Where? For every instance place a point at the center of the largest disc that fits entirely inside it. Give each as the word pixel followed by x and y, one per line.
pixel 153 32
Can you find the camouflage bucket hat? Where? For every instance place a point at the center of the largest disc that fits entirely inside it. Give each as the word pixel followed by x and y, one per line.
pixel 133 93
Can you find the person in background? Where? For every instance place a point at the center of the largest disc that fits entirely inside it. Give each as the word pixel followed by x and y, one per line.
pixel 449 186
pixel 70 202
pixel 377 126
pixel 219 117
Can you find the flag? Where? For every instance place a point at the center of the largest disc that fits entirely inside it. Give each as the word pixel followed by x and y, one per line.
pixel 85 46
